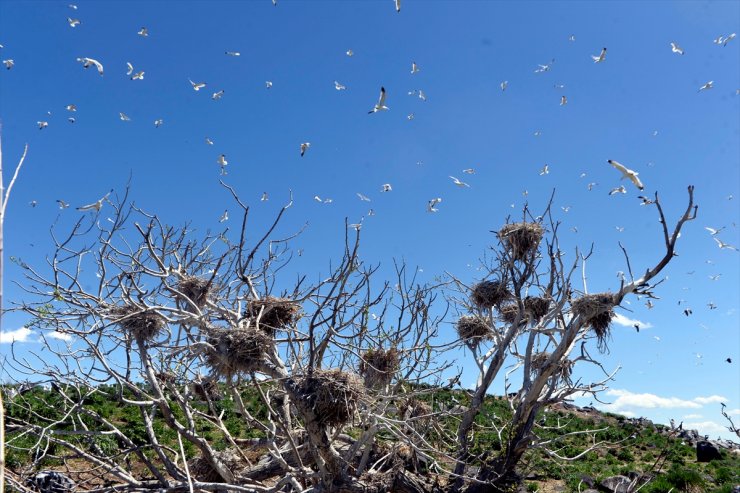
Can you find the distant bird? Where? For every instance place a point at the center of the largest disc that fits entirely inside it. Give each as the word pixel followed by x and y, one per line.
pixel 687 312
pixel 209 141
pixel 86 62
pixel 637 328
pixel 73 22
pixel 729 360
pixel 620 229
pixel 431 205
pixel 386 187
pixel 268 84
pixel 722 40
pixel 543 68
pixel 715 277
pixel 398 5
pixel 380 105
pixel 459 183
pixel 144 32
pixel 304 147
pixel 264 197
pixel 124 117
pixel 537 133
pixel 8 63
pixel 197 86
pixel 217 95
pixel 644 200
pixel 676 49
pixel 469 171
pixel 33 203
pixel 711 306
pixel 42 125
pixel 619 189
pixel 221 161
pixel 713 231
pixel 572 37
pixel 591 185
pixel 71 107
pixel 504 85
pixel 708 85
pixel 545 170
pixel 339 87
pixel 129 68
pixel 422 96
pixel 72 6
pixel 349 53
pixel 563 101
pixel 97 205
pixel 627 173
pixel 71 119
pixel 233 53
pixel 138 76
pixel 565 209
pixel 410 116
pixel 414 68
pixel 649 304
pixel 362 197
pixel 62 204
pixel 158 123
pixel 601 57
pixel 224 216
pixel 722 245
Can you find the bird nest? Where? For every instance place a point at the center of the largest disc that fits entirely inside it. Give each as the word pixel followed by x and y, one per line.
pixel 537 306
pixel 597 312
pixel 489 293
pixel 276 313
pixel 473 328
pixel 330 397
pixel 143 324
pixel 539 361
pixel 194 289
pixel 416 411
pixel 207 389
pixel 202 469
pixel 377 366
pixel 509 312
pixel 521 239
pixel 236 351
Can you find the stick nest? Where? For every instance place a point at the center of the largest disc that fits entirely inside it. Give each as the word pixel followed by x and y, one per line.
pixel 597 311
pixel 277 313
pixel 328 396
pixel 489 293
pixel 195 289
pixel 237 350
pixel 202 469
pixel 509 312
pixel 141 323
pixel 521 239
pixel 415 410
pixel 377 366
pixel 207 389
pixel 537 306
pixel 473 328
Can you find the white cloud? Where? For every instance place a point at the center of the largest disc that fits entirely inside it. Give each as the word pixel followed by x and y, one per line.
pixel 60 335
pixel 626 399
pixel 18 335
pixel 693 416
pixel 705 427
pixel 710 399
pixel 630 322
pixel 734 412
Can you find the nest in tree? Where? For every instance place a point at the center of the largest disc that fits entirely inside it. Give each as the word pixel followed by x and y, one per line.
pixel 538 361
pixel 142 324
pixel 521 239
pixel 537 306
pixel 377 366
pixel 202 469
pixel 330 396
pixel 237 350
pixel 509 312
pixel 195 289
pixel 473 328
pixel 597 311
pixel 489 293
pixel 415 410
pixel 207 390
pixel 277 313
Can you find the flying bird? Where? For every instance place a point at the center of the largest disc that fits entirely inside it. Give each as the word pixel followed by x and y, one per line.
pixel 713 231
pixel 386 187
pixel 722 245
pixel 601 57
pixel 380 105
pixel 504 85
pixel 73 22
pixel 62 204
pixel 233 53
pixel 42 125
pixel 398 5
pixel 304 147
pixel 72 6
pixel 544 68
pixel 644 200
pixel 676 49
pixel 264 197
pixel 130 68
pixel 349 52
pixel 572 37
pixel 224 216
pixel 563 101
pixel 143 32
pixel 221 161
pixel 410 116
pixel 723 40
pixel 86 62
pixel 9 63
pixel 459 183
pixel 414 68
pixel 469 171
pixel 209 141
pixel 217 95
pixel 158 123
pixel 96 206
pixel 268 84
pixel 197 86
pixel 124 117
pixel 545 170
pixel 138 76
pixel 362 197
pixel 627 173
pixel 431 205
pixel 708 85
pixel 422 96
pixel 339 87
pixel 619 189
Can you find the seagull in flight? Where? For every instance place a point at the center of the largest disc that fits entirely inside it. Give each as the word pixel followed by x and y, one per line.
pixel 722 40
pixel 339 87
pixel 264 197
pixel 398 5
pixel 62 204
pixel 504 85
pixel 469 171
pixel 9 63
pixel 722 245
pixel 459 183
pixel 627 173
pixel 158 123
pixel 233 53
pixel 545 170
pixel 386 187
pixel 414 68
pixel 217 95
pixel 362 197
pixel 544 68
pixel 708 85
pixel 73 22
pixel 601 57
pixel 138 76
pixel 563 101
pixel 209 141
pixel 86 62
pixel 221 161
pixel 96 206
pixel 713 231
pixel 224 216
pixel 619 189
pixel 349 52
pixel 380 105
pixel 197 86
pixel 676 49
pixel 268 84
pixel 431 205
pixel 124 117
pixel 143 32
pixel 130 68
pixel 42 125
pixel 422 96
pixel 304 147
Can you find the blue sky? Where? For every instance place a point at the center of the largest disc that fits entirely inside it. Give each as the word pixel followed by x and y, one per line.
pixel 641 107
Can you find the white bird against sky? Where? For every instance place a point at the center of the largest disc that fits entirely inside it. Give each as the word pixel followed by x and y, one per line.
pixel 339 87
pixel 398 5
pixel 504 85
pixel 97 205
pixel 304 147
pixel 713 231
pixel 601 57
pixel 221 161
pixel 197 86
pixel 619 189
pixel 362 197
pixel 71 107
pixel 545 170
pixel 459 183
pixel 86 62
pixel 158 123
pixel 349 53
pixel 627 173
pixel 722 245
pixel 73 22
pixel 386 187
pixel 708 85
pixel 42 125
pixel 217 95
pixel 380 105
pixel 233 53
pixel 143 32
pixel 124 117
pixel 469 171
pixel 431 205
pixel 676 49
pixel 138 75
pixel 129 68
pixel 268 84
pixel 9 63
pixel 414 68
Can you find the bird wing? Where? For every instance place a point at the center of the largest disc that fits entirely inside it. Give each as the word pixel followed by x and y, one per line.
pixel 619 166
pixel 130 68
pixel 381 100
pixel 97 64
pixel 634 179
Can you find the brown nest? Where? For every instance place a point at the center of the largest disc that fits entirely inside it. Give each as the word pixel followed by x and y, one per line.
pixel 416 411
pixel 489 293
pixel 539 360
pixel 473 328
pixel 377 366
pixel 237 350
pixel 277 313
pixel 521 239
pixel 207 390
pixel 509 312
pixel 329 397
pixel 537 306
pixel 141 323
pixel 202 470
pixel 597 311
pixel 195 289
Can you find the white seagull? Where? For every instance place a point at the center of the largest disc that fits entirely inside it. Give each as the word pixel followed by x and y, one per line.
pixel 713 231
pixel 708 85
pixel 217 95
pixel 459 183
pixel 71 107
pixel 544 68
pixel 124 117
pixel 144 32
pixel 349 52
pixel 398 5
pixel 268 84
pixel 414 68
pixel 431 205
pixel 73 22
pixel 209 141
pixel 9 63
pixel 362 197
pixel 504 85
pixel 138 75
pixel 545 170
pixel 158 123
pixel 619 189
pixel 563 101
pixel 386 187
pixel 96 206
pixel 422 96
pixel 86 62
pixel 722 245
pixel 197 86
pixel 380 105
pixel 469 171
pixel 676 49
pixel 304 147
pixel 221 161
pixel 42 125
pixel 62 204
pixel 601 57
pixel 130 68
pixel 233 53
pixel 339 87
pixel 224 216
pixel 627 173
